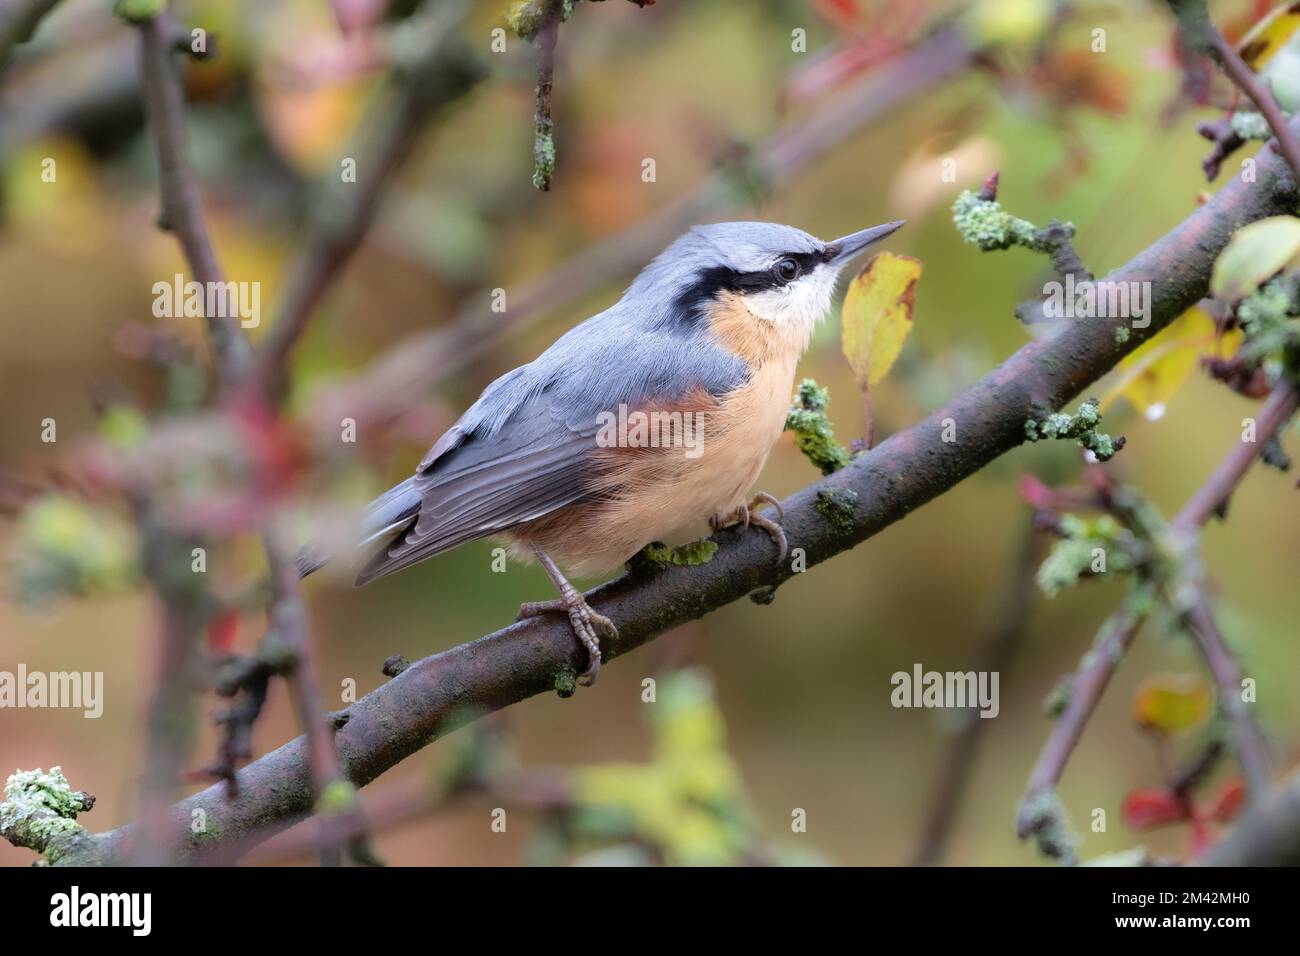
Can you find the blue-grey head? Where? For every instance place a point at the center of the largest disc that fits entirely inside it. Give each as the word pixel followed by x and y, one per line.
pixel 781 274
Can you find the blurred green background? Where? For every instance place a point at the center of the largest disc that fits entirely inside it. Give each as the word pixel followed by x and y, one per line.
pixel 803 684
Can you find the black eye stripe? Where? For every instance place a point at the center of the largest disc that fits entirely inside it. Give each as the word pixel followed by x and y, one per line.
pixel 717 279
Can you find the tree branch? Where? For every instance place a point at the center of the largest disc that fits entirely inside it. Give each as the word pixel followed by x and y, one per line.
pixel 182 213
pixel 182 206
pixel 1119 630
pixel 447 690
pixel 1268 833
pixel 1212 497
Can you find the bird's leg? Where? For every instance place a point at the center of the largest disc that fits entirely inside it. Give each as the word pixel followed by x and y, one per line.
pixel 747 515
pixel 584 620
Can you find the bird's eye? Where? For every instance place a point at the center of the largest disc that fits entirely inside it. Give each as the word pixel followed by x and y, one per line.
pixel 787 270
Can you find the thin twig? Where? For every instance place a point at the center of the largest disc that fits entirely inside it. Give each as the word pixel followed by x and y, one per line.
pixel 182 206
pixel 543 126
pixel 1212 497
pixel 1200 32
pixel 1262 97
pixel 182 213
pixel 1121 627
pixel 1086 687
pixel 442 72
pixel 1252 752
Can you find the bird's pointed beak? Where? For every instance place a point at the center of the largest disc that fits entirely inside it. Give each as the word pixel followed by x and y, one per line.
pixel 846 247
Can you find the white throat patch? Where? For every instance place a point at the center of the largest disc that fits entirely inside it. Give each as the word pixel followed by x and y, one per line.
pixel 795 309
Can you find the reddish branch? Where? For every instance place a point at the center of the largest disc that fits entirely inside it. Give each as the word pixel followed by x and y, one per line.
pixel 440 693
pixel 1200 32
pixel 1119 630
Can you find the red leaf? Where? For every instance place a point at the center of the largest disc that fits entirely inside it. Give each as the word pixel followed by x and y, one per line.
pixel 222 631
pixel 1229 801
pixel 1147 808
pixel 1036 493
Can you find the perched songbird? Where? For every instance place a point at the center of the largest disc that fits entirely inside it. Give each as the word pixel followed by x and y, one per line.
pixel 657 412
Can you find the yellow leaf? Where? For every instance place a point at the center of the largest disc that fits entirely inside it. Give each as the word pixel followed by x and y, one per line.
pixel 1171 703
pixel 1269 35
pixel 877 315
pixel 1154 372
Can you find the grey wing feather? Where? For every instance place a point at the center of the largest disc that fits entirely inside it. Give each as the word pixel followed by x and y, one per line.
pixel 523 450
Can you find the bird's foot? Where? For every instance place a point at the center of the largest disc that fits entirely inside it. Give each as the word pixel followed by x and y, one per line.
pixel 585 622
pixel 747 515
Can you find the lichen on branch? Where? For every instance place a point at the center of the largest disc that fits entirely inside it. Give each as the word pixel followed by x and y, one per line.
pixel 1081 426
pixel 982 221
pixel 1076 553
pixel 41 807
pixel 813 433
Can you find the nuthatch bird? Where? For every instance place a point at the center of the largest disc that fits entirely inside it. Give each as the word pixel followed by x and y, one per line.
pixel 705 338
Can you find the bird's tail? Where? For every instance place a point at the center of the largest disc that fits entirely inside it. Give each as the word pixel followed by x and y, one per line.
pixel 384 517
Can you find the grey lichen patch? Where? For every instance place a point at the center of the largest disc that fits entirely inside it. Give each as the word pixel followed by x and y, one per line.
pixel 1058 698
pixel 1122 334
pixel 1084 543
pixel 1081 426
pixel 1268 318
pixel 984 223
pixel 1043 815
pixel 40 806
pixel 566 681
pixel 1251 125
pixel 686 555
pixel 837 507
pixel 544 156
pixel 812 429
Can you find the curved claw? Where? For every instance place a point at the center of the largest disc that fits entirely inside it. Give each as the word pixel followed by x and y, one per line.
pixel 747 515
pixel 763 498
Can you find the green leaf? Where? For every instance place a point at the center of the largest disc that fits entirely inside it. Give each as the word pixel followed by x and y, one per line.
pixel 1255 254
